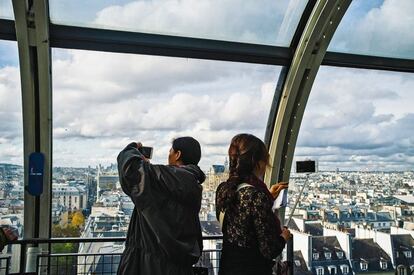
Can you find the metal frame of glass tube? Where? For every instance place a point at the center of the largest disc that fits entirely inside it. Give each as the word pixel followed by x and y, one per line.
pixel 35 36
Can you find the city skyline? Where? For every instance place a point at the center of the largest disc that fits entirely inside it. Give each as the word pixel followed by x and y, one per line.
pixel 337 213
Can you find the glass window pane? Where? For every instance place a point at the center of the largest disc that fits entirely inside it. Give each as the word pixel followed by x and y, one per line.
pixel 381 28
pixel 6 9
pixel 103 101
pixel 359 127
pixel 359 120
pixel 262 22
pixel 11 146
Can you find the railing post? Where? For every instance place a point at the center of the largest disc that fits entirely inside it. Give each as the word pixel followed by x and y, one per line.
pixel 38 264
pixel 290 256
pixel 32 257
pixel 44 264
pixel 22 258
pixel 8 265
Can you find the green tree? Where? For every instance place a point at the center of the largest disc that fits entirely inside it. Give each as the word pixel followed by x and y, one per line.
pixel 66 264
pixel 67 231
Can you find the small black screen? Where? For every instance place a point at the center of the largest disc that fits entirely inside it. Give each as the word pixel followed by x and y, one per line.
pixel 307 166
pixel 146 151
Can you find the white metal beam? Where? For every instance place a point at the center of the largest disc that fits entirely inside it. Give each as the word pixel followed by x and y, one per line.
pixel 32 33
pixel 307 59
pixel 308 56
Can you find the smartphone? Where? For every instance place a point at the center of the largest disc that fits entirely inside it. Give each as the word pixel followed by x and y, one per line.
pixel 146 151
pixel 307 166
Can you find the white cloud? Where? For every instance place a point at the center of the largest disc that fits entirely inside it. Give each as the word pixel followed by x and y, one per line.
pixel 356 118
pixel 236 20
pixel 11 151
pixel 11 127
pixel 102 101
pixel 385 30
pixel 10 95
pixel 155 99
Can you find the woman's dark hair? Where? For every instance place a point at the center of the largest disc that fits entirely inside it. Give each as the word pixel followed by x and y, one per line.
pixel 190 149
pixel 245 153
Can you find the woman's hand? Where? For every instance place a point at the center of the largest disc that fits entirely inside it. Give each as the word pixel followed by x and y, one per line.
pixel 286 234
pixel 276 188
pixel 11 234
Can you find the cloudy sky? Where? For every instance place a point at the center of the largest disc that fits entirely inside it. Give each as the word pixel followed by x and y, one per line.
pixel 355 119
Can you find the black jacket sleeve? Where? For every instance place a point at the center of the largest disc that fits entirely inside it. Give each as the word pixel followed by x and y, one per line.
pixel 133 170
pixel 3 239
pixel 146 183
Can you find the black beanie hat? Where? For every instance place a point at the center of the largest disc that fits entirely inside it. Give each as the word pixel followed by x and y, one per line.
pixel 190 149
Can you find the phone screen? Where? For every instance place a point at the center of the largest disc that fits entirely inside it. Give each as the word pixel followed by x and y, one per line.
pixel 146 151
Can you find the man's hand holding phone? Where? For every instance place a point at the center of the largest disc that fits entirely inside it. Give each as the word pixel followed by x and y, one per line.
pixel 145 151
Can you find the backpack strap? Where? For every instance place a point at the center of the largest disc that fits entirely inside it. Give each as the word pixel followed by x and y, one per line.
pixel 222 213
pixel 243 185
pixel 221 219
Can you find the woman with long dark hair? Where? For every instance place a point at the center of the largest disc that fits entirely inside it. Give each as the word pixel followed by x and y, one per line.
pixel 252 233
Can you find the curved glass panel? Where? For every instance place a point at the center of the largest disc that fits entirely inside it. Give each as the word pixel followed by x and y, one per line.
pixel 11 147
pixel 359 120
pixel 6 9
pixel 104 101
pixel 261 22
pixel 379 28
pixel 359 127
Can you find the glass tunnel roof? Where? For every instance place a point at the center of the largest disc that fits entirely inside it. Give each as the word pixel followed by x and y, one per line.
pixel 359 119
pixel 376 28
pixel 365 28
pixel 379 28
pixel 210 100
pixel 268 22
pixel 98 90
pixel 359 32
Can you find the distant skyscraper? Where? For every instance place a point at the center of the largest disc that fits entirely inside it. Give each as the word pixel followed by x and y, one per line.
pixel 97 183
pixel 226 165
pixel 3 173
pixel 105 182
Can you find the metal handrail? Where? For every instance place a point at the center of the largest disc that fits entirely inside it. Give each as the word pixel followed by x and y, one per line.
pixel 77 254
pixel 99 254
pixel 49 263
pixel 37 241
pixel 85 240
pixel 7 266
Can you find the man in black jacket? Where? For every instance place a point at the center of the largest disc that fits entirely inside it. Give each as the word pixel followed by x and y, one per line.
pixel 164 235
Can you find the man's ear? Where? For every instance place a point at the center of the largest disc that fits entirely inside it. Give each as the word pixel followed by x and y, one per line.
pixel 178 155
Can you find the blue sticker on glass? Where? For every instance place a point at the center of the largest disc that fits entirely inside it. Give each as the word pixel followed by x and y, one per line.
pixel 36 167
